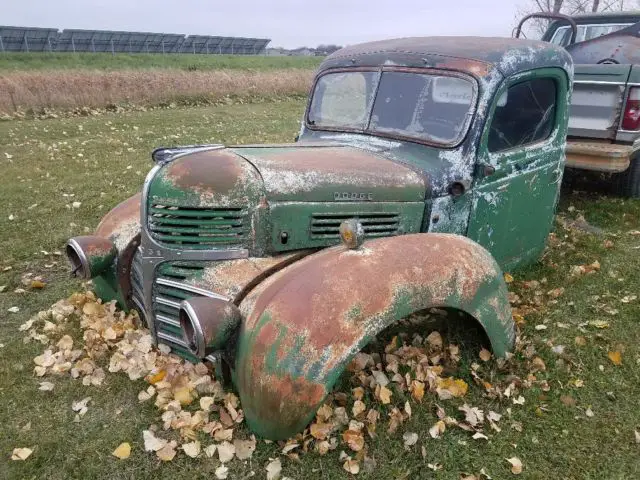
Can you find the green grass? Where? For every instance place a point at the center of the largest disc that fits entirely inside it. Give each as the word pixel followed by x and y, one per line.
pixel 10 61
pixel 556 441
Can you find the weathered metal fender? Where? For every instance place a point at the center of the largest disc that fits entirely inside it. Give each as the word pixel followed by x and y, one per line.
pixel 304 324
pixel 122 226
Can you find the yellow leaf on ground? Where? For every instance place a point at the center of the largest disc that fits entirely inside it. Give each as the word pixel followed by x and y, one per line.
pixel 183 395
pixel 123 451
pixel 417 390
pixel 516 465
pixel 615 357
pixel 451 387
pixel 21 453
pixel 508 278
pixel 37 284
pixel 158 377
pixel 385 395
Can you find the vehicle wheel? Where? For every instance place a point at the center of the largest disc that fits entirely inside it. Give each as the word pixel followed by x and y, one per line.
pixel 627 183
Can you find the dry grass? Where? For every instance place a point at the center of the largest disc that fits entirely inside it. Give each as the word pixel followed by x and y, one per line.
pixel 68 90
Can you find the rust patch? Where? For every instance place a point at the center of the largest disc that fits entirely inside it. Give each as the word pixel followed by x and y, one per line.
pixel 215 171
pixel 290 171
pixel 474 67
pixel 307 320
pixel 235 278
pixel 122 223
pixel 599 156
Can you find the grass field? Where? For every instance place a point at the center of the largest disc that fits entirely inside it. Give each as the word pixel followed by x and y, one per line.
pixel 581 428
pixel 11 61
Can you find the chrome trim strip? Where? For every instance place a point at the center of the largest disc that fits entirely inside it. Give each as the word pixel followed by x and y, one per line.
pixel 172 339
pixel 189 288
pixel 167 320
pixel 197 328
pixel 166 301
pixel 82 256
pixel 599 82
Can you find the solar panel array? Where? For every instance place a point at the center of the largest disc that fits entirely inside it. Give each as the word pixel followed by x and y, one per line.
pixel 25 39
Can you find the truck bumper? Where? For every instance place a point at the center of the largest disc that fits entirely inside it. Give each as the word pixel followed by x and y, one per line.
pixel 599 156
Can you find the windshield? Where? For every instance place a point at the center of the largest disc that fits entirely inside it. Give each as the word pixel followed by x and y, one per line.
pixel 425 106
pixel 585 32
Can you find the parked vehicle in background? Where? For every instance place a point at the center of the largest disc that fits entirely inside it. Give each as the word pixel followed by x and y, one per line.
pixel 444 155
pixel 604 122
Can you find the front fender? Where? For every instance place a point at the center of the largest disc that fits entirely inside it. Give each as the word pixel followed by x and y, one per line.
pixel 121 225
pixel 304 324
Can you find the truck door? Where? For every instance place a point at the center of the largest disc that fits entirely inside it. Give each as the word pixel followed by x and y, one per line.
pixel 520 164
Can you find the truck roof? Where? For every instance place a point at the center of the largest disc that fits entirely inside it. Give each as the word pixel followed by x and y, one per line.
pixel 609 17
pixel 477 56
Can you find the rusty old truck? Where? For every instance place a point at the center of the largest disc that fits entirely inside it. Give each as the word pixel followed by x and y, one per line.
pixel 424 168
pixel 604 118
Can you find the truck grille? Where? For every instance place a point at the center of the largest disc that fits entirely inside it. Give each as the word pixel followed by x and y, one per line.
pixel 169 290
pixel 327 225
pixel 196 227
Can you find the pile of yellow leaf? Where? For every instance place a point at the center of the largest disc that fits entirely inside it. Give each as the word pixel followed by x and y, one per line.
pixel 193 406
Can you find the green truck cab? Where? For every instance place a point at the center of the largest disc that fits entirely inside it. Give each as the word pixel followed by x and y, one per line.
pixel 423 169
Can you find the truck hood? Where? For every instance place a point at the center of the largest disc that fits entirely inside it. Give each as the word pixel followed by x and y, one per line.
pixel 239 176
pixel 330 172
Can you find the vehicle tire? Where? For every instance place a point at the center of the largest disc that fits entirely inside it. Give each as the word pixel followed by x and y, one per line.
pixel 627 183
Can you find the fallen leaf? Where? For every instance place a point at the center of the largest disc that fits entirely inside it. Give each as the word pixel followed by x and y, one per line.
pixel 479 436
pixel 437 429
pixel 417 390
pixel 222 472
pixel 615 357
pixel 472 415
pixel 21 453
pixel 580 341
pixel 599 324
pixel 13 310
pixel 191 449
pixel 508 278
pixel 274 469
pixel 410 439
pixel 485 355
pixel 151 443
pixel 351 466
pixel 210 450
pixel 354 439
pixel 516 465
pixel 637 435
pixel 385 395
pixel 451 387
pixel 244 448
pixel 320 431
pixel 37 284
pixel 122 451
pixel 167 452
pixel 568 400
pixel 226 452
pixel 46 386
pixel 158 377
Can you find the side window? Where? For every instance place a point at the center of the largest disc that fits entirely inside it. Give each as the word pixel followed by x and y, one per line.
pixel 525 113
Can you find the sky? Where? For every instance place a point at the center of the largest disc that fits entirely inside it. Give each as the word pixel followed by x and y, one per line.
pixel 289 23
